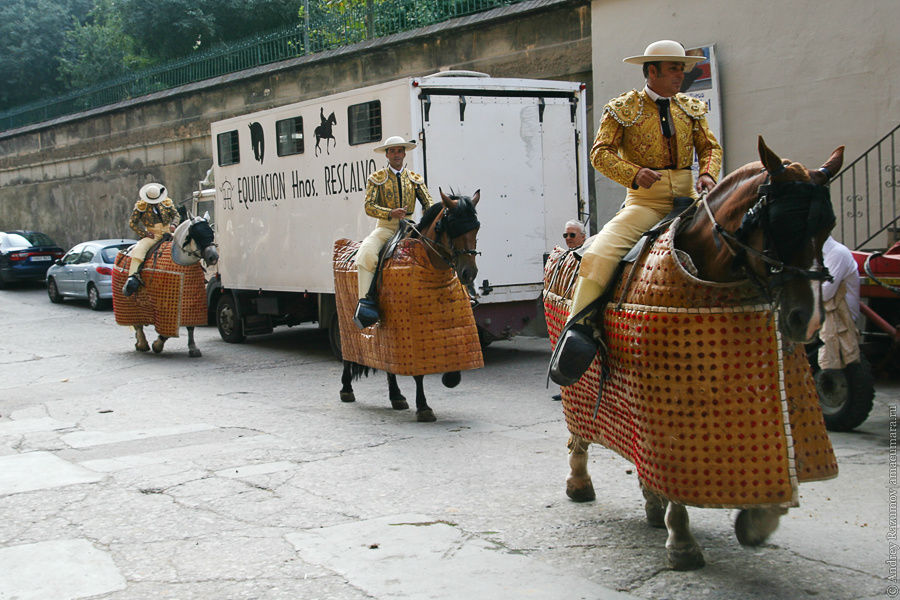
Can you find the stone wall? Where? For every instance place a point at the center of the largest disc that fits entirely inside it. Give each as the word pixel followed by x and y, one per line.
pixel 77 177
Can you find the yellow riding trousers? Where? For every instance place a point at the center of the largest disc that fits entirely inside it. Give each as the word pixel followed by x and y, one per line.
pixel 139 252
pixel 367 255
pixel 643 208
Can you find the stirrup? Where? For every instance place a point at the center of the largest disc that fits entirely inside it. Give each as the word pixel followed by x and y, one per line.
pixel 574 356
pixel 366 313
pixel 132 284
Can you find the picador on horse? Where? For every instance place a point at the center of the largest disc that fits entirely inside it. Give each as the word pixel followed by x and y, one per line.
pixel 686 356
pixel 154 216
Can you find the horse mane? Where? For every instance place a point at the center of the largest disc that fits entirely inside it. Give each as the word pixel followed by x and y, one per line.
pixel 428 217
pixel 742 181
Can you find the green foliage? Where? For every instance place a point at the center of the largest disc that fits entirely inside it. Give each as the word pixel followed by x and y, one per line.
pixel 31 34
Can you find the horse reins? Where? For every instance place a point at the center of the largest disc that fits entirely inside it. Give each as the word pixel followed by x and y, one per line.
pixel 759 216
pixel 448 254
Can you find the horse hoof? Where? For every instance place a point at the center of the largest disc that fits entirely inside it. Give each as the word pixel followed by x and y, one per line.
pixel 451 379
pixel 194 353
pixel 158 346
pixel 580 490
pixel 754 526
pixel 425 416
pixel 348 397
pixel 685 559
pixel 399 402
pixel 145 347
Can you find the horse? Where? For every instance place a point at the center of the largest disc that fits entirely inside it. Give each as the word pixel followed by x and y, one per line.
pixel 445 240
pixel 698 398
pixel 323 131
pixel 174 289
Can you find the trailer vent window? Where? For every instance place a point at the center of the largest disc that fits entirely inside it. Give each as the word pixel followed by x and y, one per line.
pixel 290 136
pixel 365 122
pixel 229 153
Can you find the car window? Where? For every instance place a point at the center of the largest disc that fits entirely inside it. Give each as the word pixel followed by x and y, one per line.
pixel 87 255
pixel 36 238
pixel 71 256
pixel 108 254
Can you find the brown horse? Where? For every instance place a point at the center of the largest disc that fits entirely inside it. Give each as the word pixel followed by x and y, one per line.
pixel 447 235
pixel 756 245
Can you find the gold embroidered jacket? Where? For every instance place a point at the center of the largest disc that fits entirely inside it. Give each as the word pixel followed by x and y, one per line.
pixel 630 137
pixel 382 196
pixel 146 215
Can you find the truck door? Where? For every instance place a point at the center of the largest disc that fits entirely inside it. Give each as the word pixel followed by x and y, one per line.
pixel 519 150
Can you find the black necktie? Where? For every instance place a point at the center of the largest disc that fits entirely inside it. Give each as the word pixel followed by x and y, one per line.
pixel 665 118
pixel 399 189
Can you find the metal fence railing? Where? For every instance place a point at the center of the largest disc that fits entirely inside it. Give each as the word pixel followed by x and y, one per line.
pixel 864 195
pixel 318 32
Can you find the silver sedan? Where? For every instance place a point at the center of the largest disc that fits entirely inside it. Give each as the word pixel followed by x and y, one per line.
pixel 85 272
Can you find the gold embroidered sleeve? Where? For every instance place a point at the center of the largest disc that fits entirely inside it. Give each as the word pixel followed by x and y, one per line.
pixel 373 209
pixel 169 214
pixel 605 152
pixel 423 196
pixel 136 224
pixel 709 151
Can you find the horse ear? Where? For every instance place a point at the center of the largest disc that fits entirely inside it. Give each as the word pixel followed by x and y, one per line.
pixel 190 216
pixel 476 197
pixel 206 216
pixel 447 200
pixel 770 160
pixel 830 168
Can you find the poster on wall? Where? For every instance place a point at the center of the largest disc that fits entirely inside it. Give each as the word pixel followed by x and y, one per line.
pixel 702 82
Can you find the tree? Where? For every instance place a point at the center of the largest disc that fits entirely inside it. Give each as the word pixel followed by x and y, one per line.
pixel 98 49
pixel 30 37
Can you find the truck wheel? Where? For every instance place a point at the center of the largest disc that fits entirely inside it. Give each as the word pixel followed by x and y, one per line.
pixel 227 320
pixel 334 336
pixel 846 395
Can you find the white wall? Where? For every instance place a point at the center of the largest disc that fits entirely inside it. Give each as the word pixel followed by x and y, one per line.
pixel 807 75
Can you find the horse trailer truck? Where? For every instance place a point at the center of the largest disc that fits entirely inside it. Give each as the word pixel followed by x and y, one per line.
pixel 291 180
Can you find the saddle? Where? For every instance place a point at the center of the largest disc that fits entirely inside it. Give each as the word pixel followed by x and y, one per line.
pixel 166 237
pixel 387 251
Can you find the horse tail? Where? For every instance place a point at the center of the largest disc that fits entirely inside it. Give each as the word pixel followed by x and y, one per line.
pixel 358 371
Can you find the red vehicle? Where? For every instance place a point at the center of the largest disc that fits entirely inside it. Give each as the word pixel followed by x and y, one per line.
pixel 880 284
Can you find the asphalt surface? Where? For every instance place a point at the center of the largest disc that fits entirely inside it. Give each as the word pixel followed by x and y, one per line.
pixel 240 474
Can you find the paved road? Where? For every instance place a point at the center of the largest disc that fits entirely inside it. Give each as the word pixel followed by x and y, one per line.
pixel 241 475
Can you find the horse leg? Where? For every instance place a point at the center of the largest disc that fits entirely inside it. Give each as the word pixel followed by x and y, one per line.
pixel 346 385
pixel 424 414
pixel 654 508
pixel 579 486
pixel 682 550
pixel 159 343
pixel 141 345
pixel 753 526
pixel 398 400
pixel 193 351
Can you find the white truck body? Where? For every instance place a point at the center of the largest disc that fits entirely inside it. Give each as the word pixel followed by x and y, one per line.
pixel 281 201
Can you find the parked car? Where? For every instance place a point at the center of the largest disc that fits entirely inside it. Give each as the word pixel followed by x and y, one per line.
pixel 26 255
pixel 85 272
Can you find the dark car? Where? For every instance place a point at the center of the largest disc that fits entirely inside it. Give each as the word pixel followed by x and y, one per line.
pixel 26 256
pixel 85 272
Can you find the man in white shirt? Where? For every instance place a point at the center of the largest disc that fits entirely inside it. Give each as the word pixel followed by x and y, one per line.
pixel 841 297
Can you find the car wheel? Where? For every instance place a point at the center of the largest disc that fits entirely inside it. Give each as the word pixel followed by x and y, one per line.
pixel 227 320
pixel 94 298
pixel 53 291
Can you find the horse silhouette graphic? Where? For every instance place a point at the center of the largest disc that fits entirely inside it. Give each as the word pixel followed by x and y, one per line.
pixel 323 131
pixel 257 140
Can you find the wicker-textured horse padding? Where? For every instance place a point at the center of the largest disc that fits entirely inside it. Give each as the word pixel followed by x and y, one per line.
pixel 172 295
pixel 426 323
pixel 702 395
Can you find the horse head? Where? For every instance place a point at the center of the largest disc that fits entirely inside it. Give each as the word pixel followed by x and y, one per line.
pixel 194 239
pixel 457 231
pixel 770 221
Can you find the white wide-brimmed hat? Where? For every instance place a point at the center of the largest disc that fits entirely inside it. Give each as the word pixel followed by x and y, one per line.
pixel 153 193
pixel 395 140
pixel 664 50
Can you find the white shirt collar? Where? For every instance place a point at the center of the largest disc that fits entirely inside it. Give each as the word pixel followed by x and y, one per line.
pixel 653 95
pixel 395 171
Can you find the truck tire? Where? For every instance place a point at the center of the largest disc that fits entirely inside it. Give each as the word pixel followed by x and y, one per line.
pixel 227 320
pixel 334 336
pixel 846 395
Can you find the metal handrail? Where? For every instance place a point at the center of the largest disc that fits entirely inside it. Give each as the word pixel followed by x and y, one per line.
pixel 357 24
pixel 866 213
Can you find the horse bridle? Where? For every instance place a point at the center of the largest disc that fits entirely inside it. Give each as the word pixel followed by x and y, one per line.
pixel 771 196
pixel 454 229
